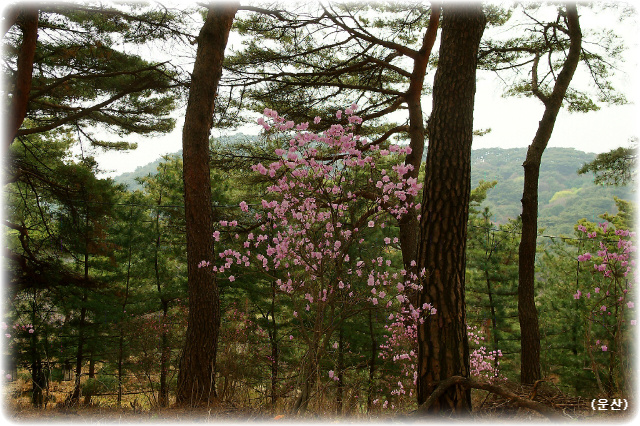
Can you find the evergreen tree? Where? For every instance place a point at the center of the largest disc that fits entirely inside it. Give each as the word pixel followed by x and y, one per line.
pixel 616 167
pixel 492 259
pixel 196 380
pixel 443 349
pixel 83 75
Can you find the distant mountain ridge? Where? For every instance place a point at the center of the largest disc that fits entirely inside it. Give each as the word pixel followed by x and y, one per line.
pixel 564 196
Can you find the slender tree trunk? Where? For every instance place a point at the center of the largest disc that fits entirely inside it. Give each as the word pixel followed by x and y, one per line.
pixel 196 382
pixel 163 397
pixel 527 312
pixel 28 21
pixel 443 348
pixel 39 381
pixel 92 375
pixel 124 309
pixel 38 378
pixel 165 355
pixel 75 396
pixel 340 368
pixel 273 337
pixel 308 376
pixel 490 243
pixel 372 362
pixel 120 362
pixel 494 319
pixel 408 223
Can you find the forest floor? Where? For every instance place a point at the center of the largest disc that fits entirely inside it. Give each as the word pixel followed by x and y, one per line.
pixel 487 408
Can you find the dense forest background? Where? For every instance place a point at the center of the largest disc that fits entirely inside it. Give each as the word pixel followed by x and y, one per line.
pixel 355 258
pixel 565 195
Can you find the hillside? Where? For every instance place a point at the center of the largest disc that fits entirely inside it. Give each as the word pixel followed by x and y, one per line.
pixel 564 196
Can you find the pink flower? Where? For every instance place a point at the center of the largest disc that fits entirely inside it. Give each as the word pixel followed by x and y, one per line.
pixel 604 348
pixel 331 374
pixel 317 120
pixel 232 278
pixel 584 257
pixel 371 224
pixel 632 322
pixel 630 305
pixel 31 330
pixel 244 206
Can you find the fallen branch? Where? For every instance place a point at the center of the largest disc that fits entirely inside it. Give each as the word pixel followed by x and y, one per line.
pixel 498 390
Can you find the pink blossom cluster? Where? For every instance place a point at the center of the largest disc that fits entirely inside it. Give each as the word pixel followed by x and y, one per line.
pixel 27 327
pixel 609 304
pixel 329 192
pixel 614 262
pixel 308 227
pixel 401 347
pixel 483 363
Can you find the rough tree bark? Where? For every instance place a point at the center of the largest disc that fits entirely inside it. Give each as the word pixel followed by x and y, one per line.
pixel 28 21
pixel 527 313
pixel 443 348
pixel 196 382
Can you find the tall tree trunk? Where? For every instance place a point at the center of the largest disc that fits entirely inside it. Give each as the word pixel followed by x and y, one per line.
pixel 527 313
pixel 443 347
pixel 196 383
pixel 28 22
pixel 408 223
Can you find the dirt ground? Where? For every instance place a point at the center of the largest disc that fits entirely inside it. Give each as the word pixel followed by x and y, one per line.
pixel 487 408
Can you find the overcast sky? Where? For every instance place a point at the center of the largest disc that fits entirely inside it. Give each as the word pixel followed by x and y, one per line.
pixel 513 121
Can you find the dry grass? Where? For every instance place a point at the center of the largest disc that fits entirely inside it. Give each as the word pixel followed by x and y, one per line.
pixel 487 408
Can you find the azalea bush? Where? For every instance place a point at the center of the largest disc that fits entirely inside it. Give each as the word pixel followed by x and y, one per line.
pixel 314 233
pixel 605 296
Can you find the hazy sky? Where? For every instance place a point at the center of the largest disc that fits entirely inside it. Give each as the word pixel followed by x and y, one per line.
pixel 513 121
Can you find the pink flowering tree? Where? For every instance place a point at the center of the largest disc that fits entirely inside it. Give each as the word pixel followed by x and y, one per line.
pixel 330 192
pixel 401 350
pixel 604 293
